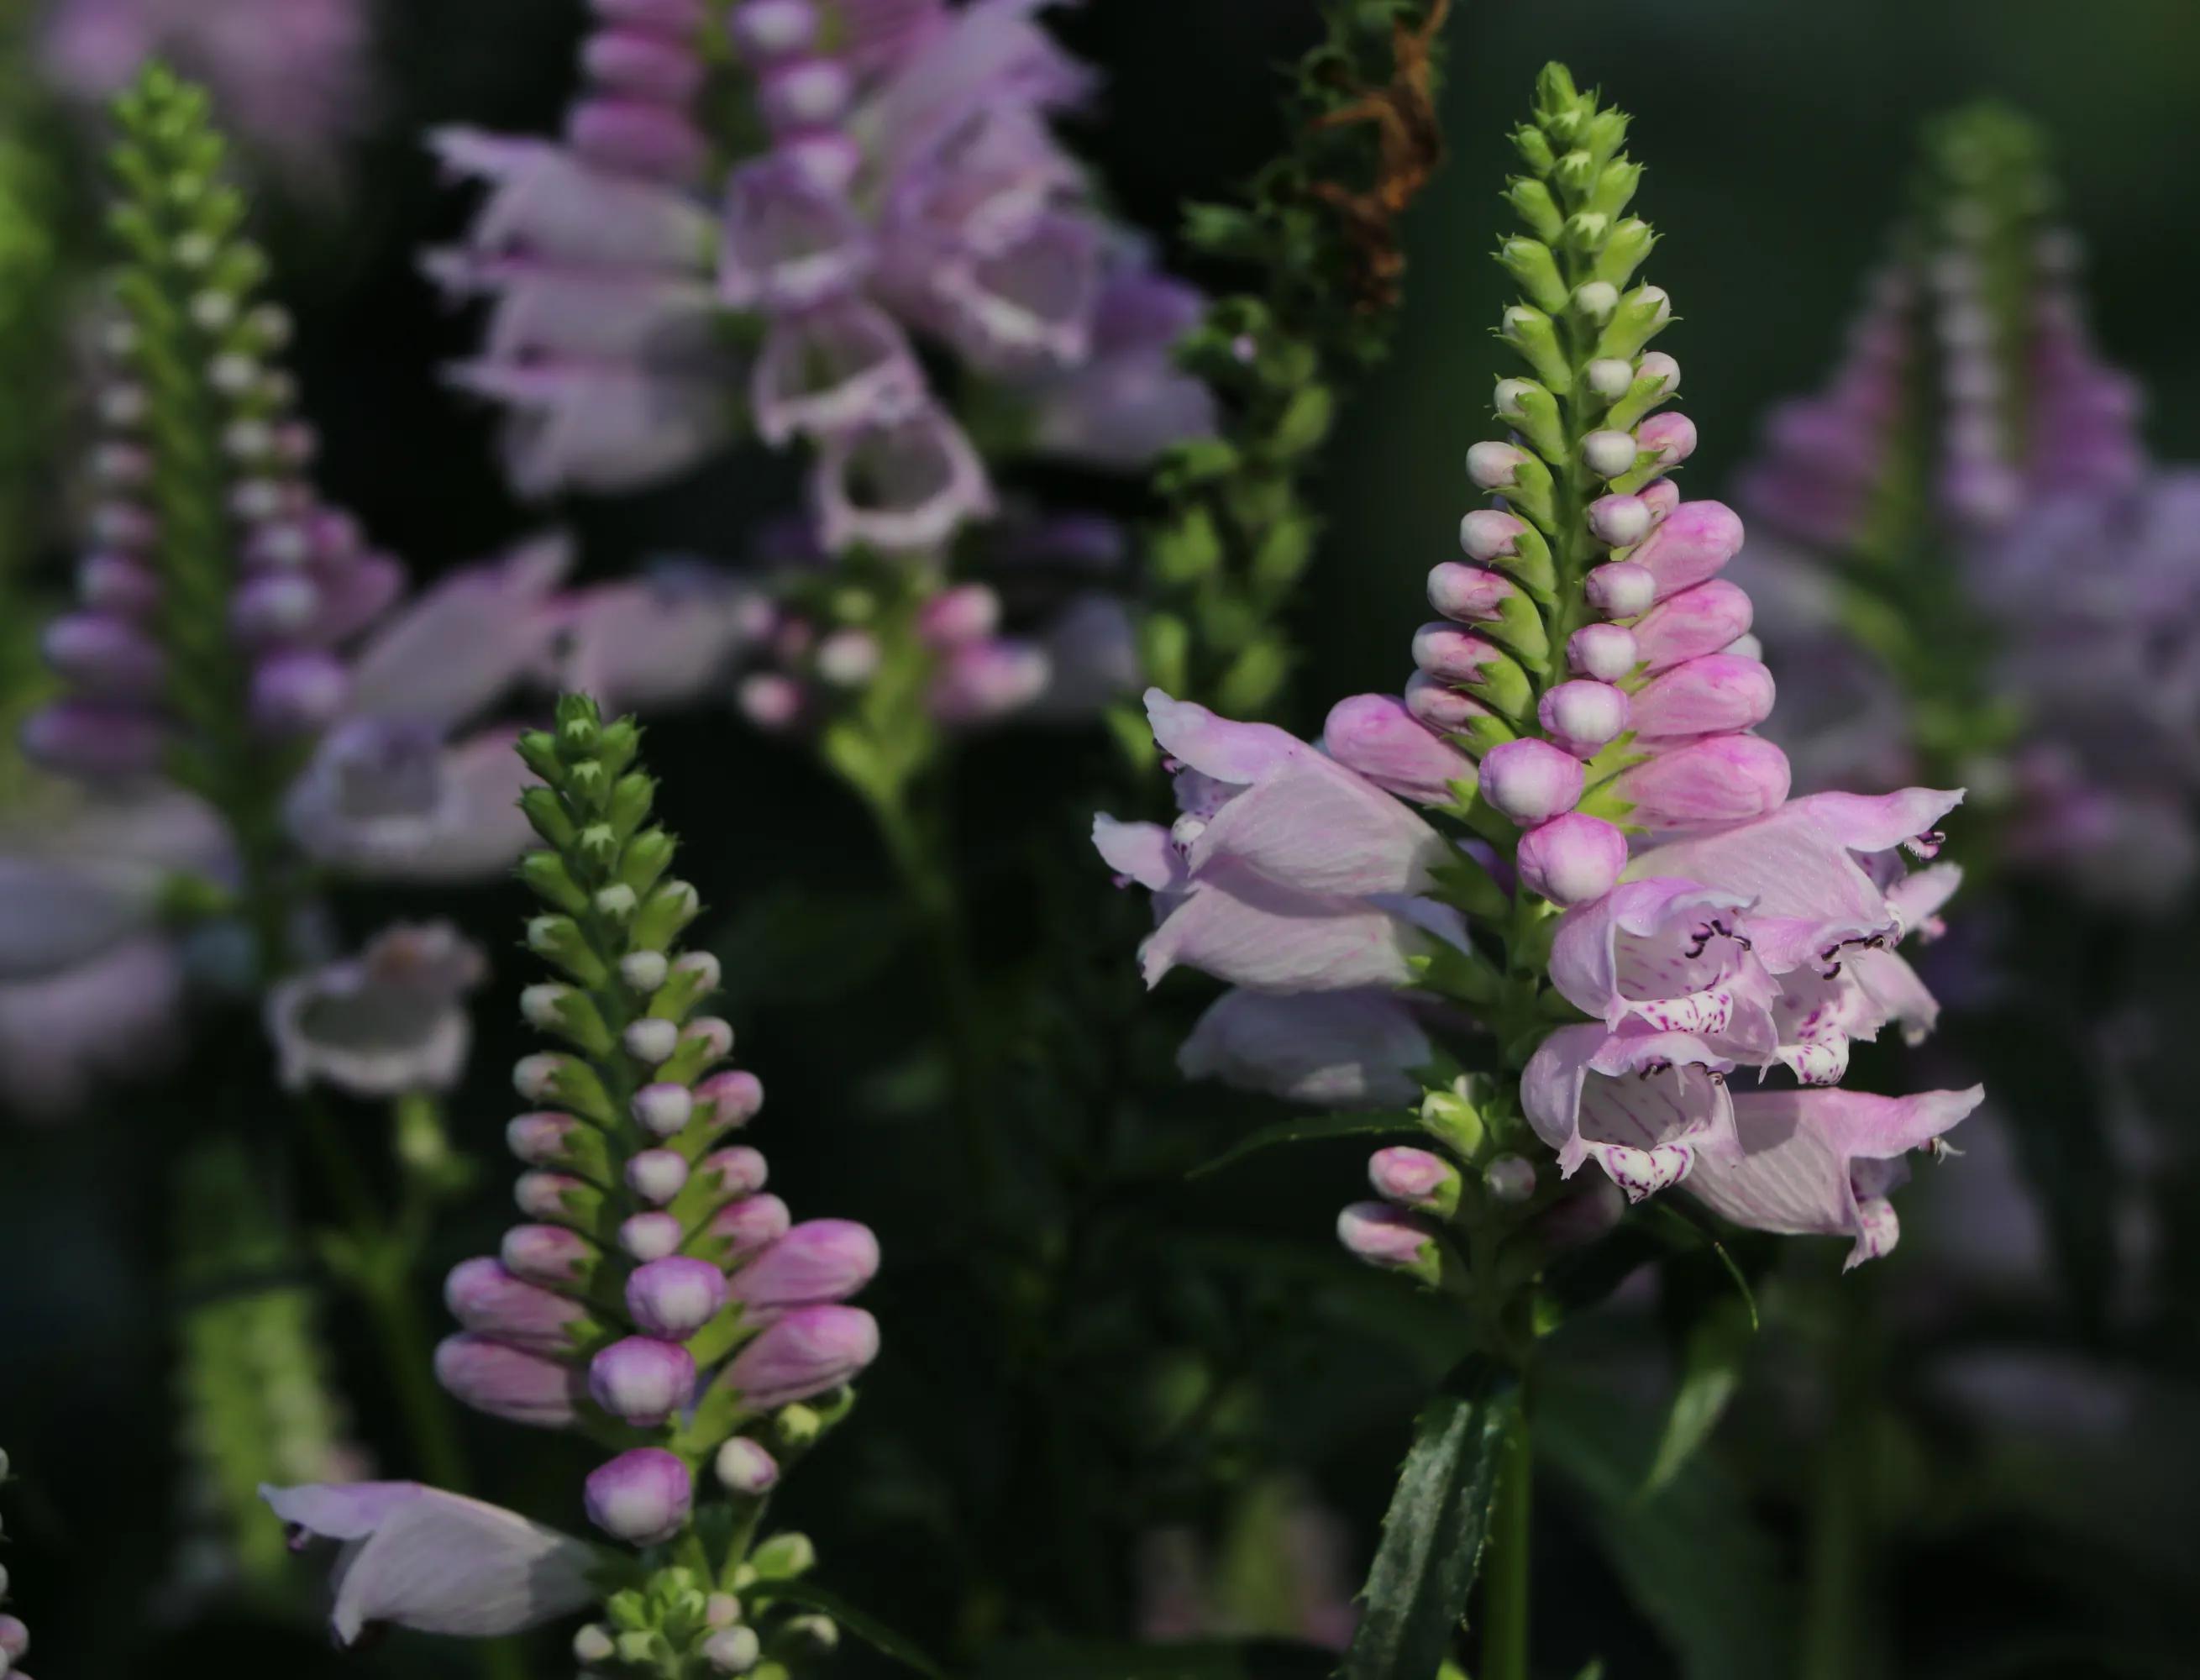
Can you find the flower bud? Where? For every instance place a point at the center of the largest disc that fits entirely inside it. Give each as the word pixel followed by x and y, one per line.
pixel 732 1650
pixel 82 738
pixel 104 655
pixel 652 1039
pixel 1445 710
pixel 811 1349
pixel 1488 535
pixel 1480 667
pixel 1584 715
pixel 15 1637
pixel 642 1496
pixel 549 1254
pixel 744 1468
pixel 1530 780
pixel 1510 1178
pixel 662 1109
pixel 819 1261
pixel 591 1644
pixel 1705 695
pixel 1572 859
pixel 1609 377
pixel 555 1196
pixel 485 1297
pixel 643 970
pixel 1382 1236
pixel 1619 522
pixel 721 1610
pixel 657 1175
pixel 745 1228
pixel 1725 779
pixel 1661 496
pixel 1640 317
pixel 848 658
pixel 1608 454
pixel 508 1383
pixel 1698 621
pixel 770 700
pixel 1671 437
pixel 1695 540
pixel 1620 590
pixel 1415 1178
pixel 642 1380
pixel 1493 466
pixel 1661 367
pixel 767 29
pixel 1377 736
pixel 738 1170
pixel 1606 652
pixel 734 1098
pixel 675 1296
pixel 650 1236
pixel 1595 301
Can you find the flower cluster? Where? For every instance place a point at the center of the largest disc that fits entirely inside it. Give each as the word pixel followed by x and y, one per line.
pixel 658 1297
pixel 287 71
pixel 1975 467
pixel 1586 707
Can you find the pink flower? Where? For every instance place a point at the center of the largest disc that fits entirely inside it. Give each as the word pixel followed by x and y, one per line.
pixel 417 1557
pixel 388 1021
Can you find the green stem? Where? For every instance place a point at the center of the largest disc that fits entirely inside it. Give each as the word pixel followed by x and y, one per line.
pixel 1505 1573
pixel 916 849
pixel 1834 1607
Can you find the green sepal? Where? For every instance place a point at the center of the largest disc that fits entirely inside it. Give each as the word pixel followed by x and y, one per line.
pixel 1532 202
pixel 1528 331
pixel 648 855
pixel 578 1089
pixel 669 908
pixel 1531 566
pixel 1530 493
pixel 1466 975
pixel 1520 627
pixel 1165 652
pixel 1640 318
pixel 1193 462
pixel 549 880
pixel 1535 150
pixel 1536 270
pixel 1536 419
pixel 632 797
pixel 1282 555
pixel 1643 396
pixel 1615 185
pixel 546 816
pixel 578 1021
pixel 557 940
pixel 1305 421
pixel 1586 231
pixel 1464 884
pixel 1630 242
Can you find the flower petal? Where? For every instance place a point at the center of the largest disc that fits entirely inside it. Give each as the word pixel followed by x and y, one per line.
pixel 1325 1047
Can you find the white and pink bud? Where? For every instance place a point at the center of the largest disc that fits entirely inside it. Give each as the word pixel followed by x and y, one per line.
pixel 810 1351
pixel 1572 859
pixel 663 1108
pixel 657 1175
pixel 650 1039
pixel 642 1496
pixel 1493 465
pixel 1725 779
pixel 548 1254
pixel 642 1380
pixel 507 1382
pixel 1620 590
pixel 486 1298
pixel 748 1227
pixel 1510 1178
pixel 1619 522
pixel 1530 781
pixel 1414 1178
pixel 650 1236
pixel 1441 706
pixel 1657 364
pixel 744 1468
pixel 675 1296
pixel 1714 693
pixel 1609 377
pixel 1608 454
pixel 1471 594
pixel 966 612
pixel 734 1097
pixel 1606 652
pixel 1377 736
pixel 736 1170
pixel 819 1261
pixel 1670 436
pixel 1695 540
pixel 1383 1236
pixel 1583 715
pixel 1490 535
pixel 1695 622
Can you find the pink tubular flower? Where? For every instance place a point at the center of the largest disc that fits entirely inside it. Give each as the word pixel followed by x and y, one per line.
pixel 1286 872
pixel 417 1557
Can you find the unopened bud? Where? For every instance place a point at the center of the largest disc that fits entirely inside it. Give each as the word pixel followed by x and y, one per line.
pixel 1620 590
pixel 643 970
pixel 1510 1178
pixel 1415 1178
pixel 1619 521
pixel 1492 465
pixel 1604 651
pixel 1530 781
pixel 1608 454
pixel 650 1039
pixel 745 1467
pixel 1596 302
pixel 1609 377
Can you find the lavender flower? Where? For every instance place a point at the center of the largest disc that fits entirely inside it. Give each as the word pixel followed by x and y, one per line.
pixel 388 1021
pixel 657 1300
pixel 1976 467
pixel 1586 709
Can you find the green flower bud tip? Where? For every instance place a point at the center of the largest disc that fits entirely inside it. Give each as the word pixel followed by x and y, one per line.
pixel 783 1557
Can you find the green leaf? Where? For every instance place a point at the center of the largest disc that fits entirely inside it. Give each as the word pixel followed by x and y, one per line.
pixel 860 1623
pixel 1416 1593
pixel 1691 1558
pixel 1714 1328
pixel 1307 1128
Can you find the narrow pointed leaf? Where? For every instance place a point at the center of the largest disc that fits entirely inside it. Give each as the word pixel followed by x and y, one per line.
pixel 1416 1594
pixel 1302 1128
pixel 860 1623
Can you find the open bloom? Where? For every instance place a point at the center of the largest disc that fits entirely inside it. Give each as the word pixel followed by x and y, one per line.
pixel 386 1022
pixel 417 1557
